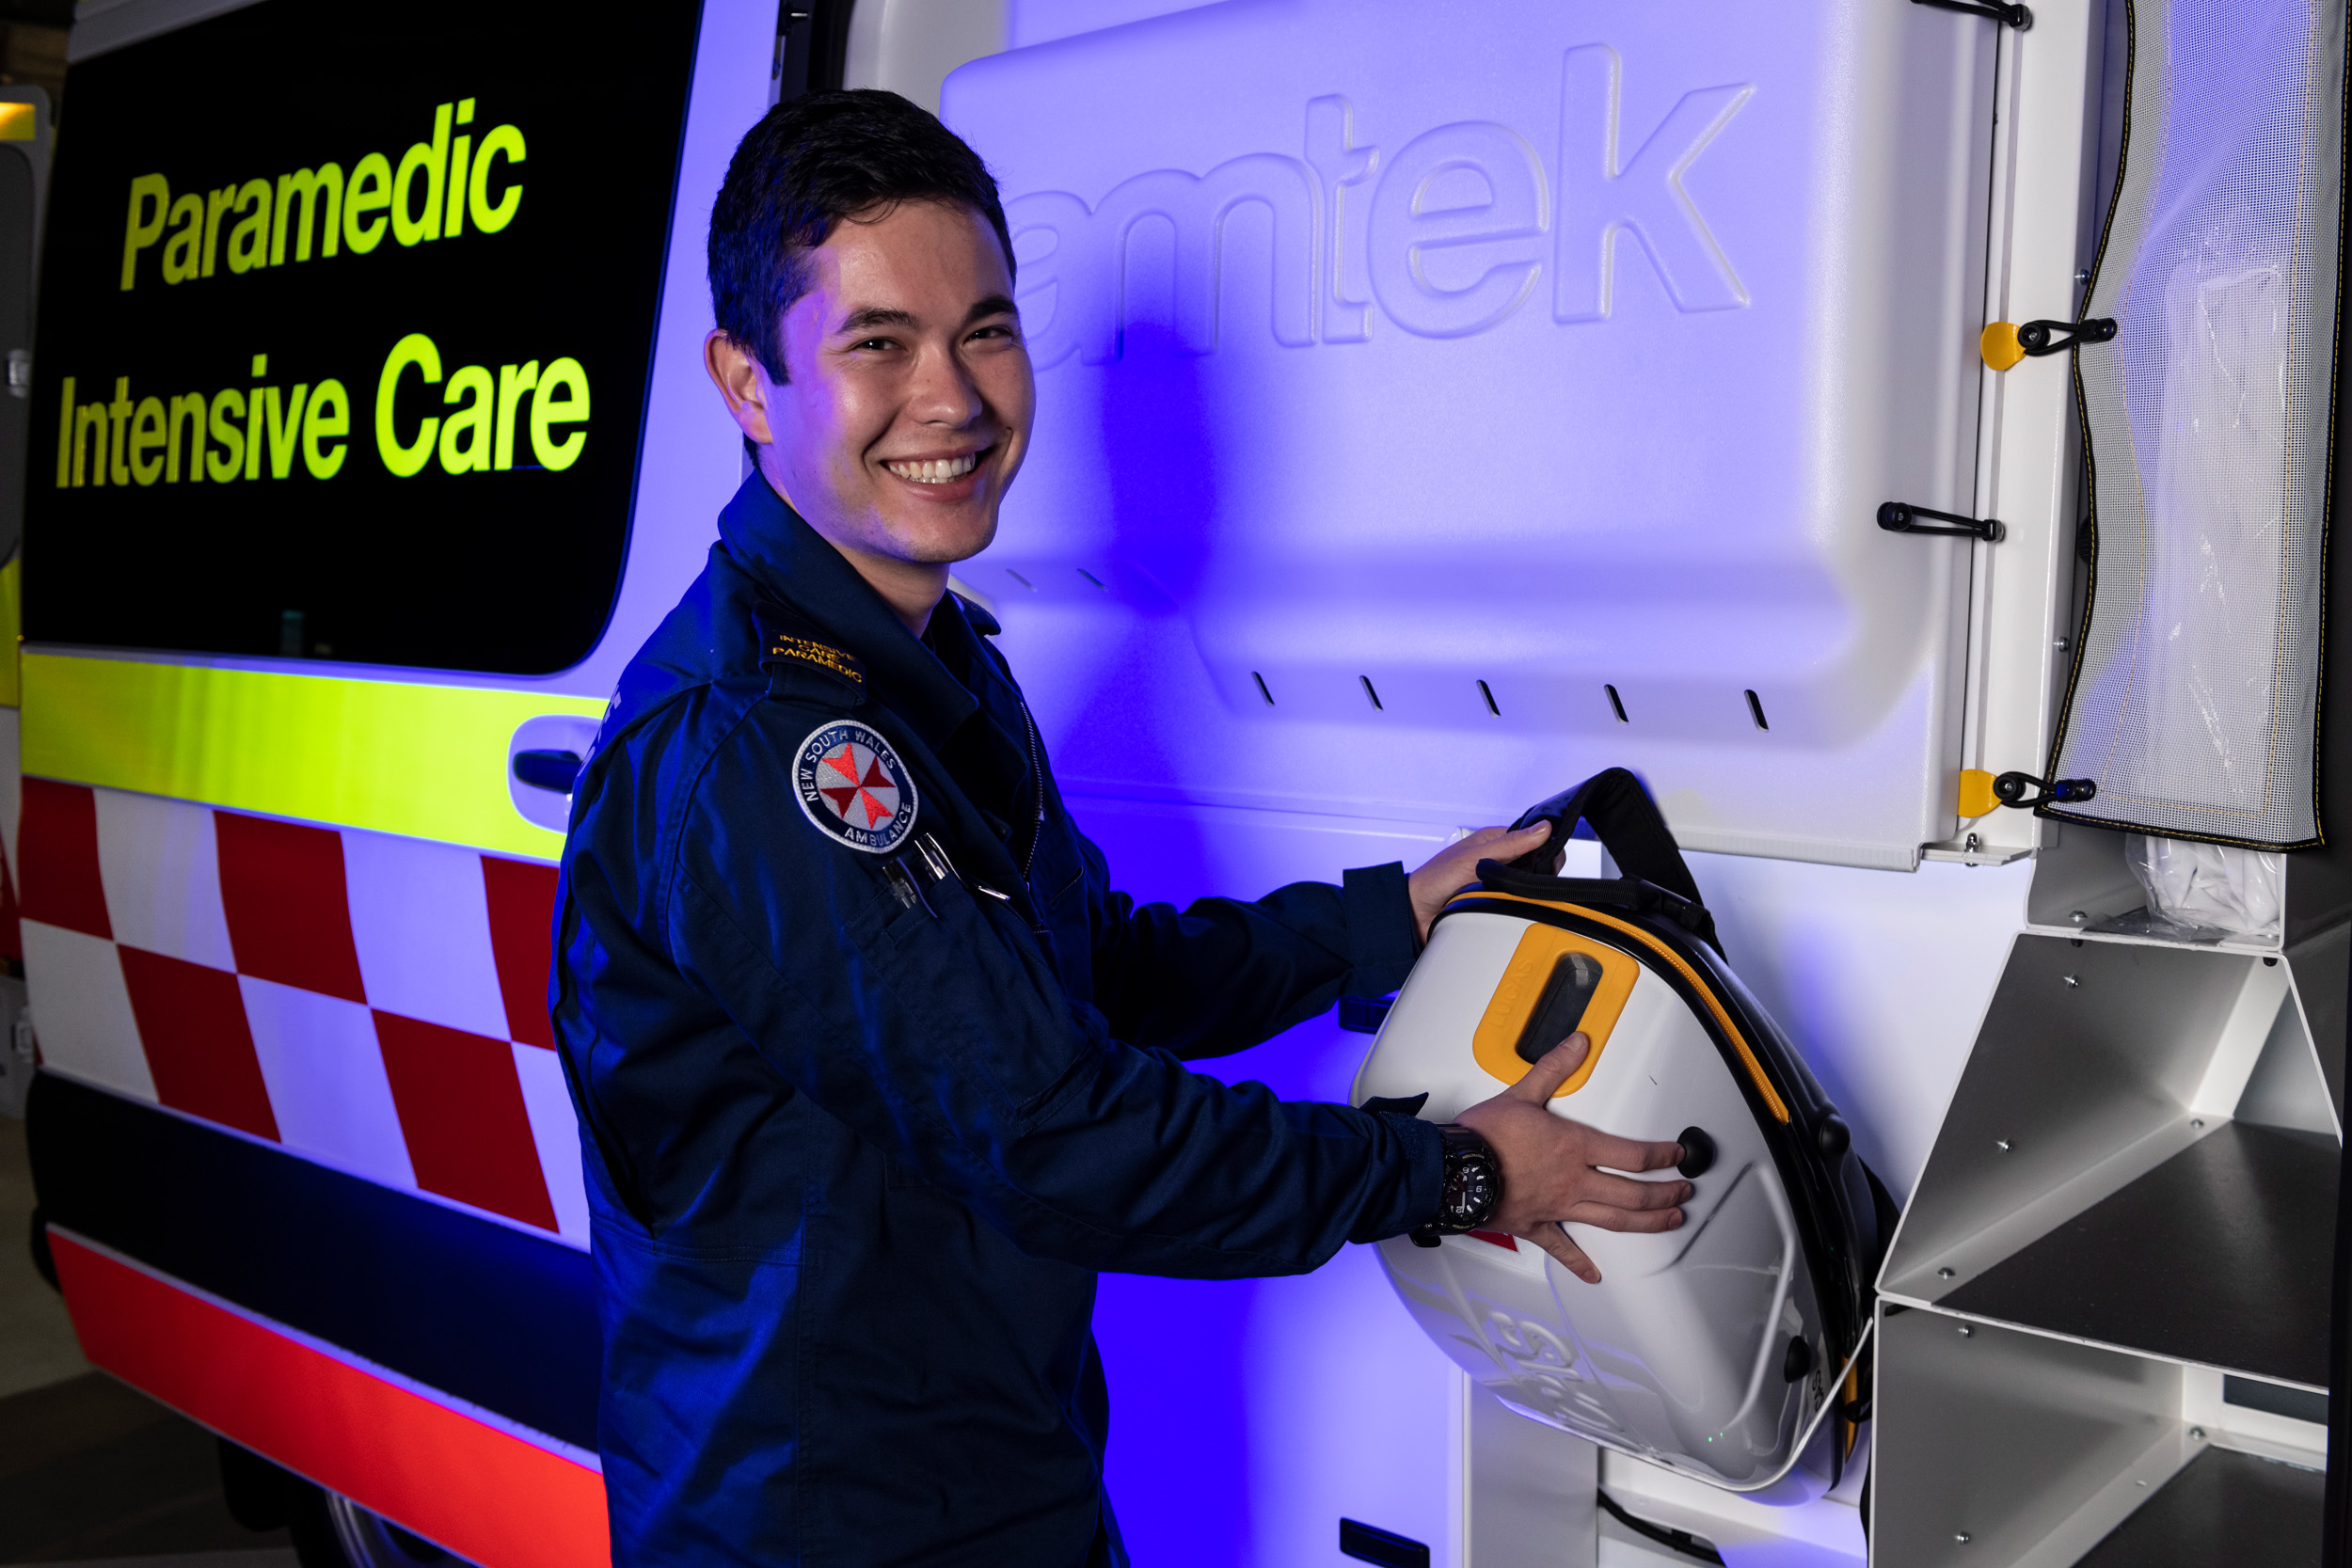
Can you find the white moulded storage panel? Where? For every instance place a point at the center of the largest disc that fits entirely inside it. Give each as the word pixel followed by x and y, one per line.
pixel 1424 386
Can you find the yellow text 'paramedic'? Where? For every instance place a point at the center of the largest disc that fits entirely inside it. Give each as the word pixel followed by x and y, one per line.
pixel 252 432
pixel 439 185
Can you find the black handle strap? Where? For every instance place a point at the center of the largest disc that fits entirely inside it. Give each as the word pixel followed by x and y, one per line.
pixel 1655 882
pixel 1628 823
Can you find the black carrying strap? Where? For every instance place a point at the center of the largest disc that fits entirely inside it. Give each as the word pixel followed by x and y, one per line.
pixel 1656 881
pixel 1629 825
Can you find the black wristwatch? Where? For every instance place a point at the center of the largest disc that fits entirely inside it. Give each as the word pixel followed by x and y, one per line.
pixel 1471 1194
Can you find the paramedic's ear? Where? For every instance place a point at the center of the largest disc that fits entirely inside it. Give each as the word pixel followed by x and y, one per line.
pixel 736 371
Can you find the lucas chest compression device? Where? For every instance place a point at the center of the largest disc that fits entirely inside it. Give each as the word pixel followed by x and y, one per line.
pixel 1718 1349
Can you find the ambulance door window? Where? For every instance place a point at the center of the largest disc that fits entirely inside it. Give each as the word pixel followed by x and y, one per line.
pixel 18 207
pixel 345 333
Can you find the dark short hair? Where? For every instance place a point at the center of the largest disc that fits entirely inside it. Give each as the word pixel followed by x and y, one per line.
pixel 809 163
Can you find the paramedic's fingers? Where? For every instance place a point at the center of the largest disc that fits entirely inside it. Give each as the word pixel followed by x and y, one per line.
pixel 1552 1069
pixel 1616 1153
pixel 1610 1217
pixel 1600 1189
pixel 1455 866
pixel 1555 1241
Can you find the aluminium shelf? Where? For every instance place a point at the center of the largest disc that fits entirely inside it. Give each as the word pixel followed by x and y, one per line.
pixel 2224 1506
pixel 2218 1256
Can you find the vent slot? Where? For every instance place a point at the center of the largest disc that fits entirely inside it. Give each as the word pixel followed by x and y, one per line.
pixel 1617 706
pixel 1370 693
pixel 1755 711
pixel 1383 1547
pixel 1485 691
pixel 1262 690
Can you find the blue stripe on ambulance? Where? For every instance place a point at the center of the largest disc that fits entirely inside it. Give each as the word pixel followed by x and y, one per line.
pixel 487 1313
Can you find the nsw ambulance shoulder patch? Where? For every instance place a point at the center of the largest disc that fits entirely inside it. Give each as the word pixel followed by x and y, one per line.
pixel 854 787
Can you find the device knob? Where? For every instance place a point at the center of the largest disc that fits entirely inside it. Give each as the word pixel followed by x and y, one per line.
pixel 1832 1137
pixel 1698 1151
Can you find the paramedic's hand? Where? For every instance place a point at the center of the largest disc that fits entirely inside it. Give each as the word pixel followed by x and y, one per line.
pixel 1455 866
pixel 1550 1165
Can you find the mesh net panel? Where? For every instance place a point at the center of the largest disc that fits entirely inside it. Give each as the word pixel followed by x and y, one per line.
pixel 2195 701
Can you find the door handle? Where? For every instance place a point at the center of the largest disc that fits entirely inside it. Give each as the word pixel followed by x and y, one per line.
pixel 556 771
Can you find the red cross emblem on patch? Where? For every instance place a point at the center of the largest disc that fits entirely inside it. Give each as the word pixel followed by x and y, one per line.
pixel 851 777
pixel 853 785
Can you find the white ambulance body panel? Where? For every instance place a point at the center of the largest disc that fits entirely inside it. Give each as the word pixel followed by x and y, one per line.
pixel 1437 402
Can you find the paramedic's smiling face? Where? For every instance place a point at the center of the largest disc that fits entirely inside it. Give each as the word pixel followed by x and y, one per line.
pixel 907 410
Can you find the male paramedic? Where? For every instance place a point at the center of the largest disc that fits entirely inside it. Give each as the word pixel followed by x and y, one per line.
pixel 875 1073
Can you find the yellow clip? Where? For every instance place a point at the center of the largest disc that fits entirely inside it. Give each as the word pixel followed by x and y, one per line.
pixel 19 123
pixel 1975 793
pixel 1999 346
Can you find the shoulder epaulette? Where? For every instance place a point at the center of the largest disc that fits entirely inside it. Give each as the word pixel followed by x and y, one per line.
pixel 789 640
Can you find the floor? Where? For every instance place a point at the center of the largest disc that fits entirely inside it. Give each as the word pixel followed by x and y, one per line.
pixel 37 1345
pixel 90 1472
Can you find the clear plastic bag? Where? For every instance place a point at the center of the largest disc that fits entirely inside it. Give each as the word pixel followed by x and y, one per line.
pixel 2207 891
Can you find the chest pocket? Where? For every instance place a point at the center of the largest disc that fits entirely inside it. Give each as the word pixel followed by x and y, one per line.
pixel 970 979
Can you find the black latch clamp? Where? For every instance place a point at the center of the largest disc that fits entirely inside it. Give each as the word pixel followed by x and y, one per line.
pixel 1903 518
pixel 2047 337
pixel 2010 790
pixel 2017 16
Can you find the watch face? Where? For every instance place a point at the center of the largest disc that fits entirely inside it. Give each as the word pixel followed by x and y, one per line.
pixel 1470 1193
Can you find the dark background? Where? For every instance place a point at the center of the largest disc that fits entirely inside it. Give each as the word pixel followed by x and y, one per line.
pixel 510 572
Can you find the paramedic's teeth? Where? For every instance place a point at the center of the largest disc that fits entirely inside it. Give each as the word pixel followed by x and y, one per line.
pixel 937 470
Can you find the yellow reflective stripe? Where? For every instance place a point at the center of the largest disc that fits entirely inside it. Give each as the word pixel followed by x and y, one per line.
pixel 1778 1106
pixel 390 756
pixel 11 626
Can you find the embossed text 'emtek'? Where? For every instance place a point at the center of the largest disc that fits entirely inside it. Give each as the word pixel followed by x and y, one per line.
pixel 1448 236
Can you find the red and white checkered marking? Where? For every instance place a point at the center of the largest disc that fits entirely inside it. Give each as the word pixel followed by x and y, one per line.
pixel 377 1004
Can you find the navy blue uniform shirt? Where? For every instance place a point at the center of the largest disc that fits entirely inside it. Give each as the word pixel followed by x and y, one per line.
pixel 859 1134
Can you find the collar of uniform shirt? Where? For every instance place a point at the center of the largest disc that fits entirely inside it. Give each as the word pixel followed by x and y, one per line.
pixel 990 755
pixel 792 561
